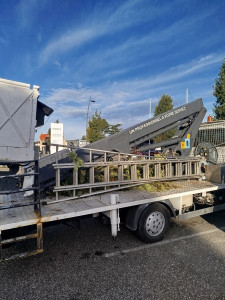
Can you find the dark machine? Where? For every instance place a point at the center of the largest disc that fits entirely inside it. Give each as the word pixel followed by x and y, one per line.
pixel 183 122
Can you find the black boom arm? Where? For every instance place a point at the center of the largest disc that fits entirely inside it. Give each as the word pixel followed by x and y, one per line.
pixel 183 122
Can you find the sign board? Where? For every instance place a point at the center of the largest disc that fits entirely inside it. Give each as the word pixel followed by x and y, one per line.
pixel 56 136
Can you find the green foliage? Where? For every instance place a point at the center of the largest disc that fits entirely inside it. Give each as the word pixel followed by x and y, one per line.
pixel 99 174
pixel 126 173
pixel 113 129
pixel 99 128
pixel 156 187
pixel 82 176
pixel 113 173
pixel 219 93
pixel 165 104
pixel 78 162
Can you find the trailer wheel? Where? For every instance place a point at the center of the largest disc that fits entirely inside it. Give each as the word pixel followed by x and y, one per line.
pixel 153 223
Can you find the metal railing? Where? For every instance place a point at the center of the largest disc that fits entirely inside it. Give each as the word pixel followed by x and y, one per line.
pixel 107 171
pixel 11 184
pixel 12 196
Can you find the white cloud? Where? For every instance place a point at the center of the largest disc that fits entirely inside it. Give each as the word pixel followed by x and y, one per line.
pixel 174 73
pixel 68 111
pixel 118 92
pixel 107 21
pixel 100 23
pixel 65 96
pixel 127 102
pixel 67 41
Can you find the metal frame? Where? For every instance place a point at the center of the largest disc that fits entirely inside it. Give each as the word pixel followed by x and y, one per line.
pixel 163 170
pixel 186 119
pixel 35 188
pixel 23 202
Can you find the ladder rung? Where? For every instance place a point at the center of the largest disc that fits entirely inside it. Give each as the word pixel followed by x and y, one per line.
pixel 21 255
pixel 19 239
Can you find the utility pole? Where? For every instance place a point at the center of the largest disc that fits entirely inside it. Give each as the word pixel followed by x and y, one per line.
pixel 186 95
pixel 150 108
pixel 150 115
pixel 89 102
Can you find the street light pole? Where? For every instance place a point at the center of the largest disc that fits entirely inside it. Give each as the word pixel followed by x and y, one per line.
pixel 150 108
pixel 89 102
pixel 150 115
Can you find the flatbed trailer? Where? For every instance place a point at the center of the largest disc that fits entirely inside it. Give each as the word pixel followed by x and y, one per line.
pixel 136 202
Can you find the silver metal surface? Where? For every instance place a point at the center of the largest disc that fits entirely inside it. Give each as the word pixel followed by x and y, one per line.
pixel 18 105
pixel 155 223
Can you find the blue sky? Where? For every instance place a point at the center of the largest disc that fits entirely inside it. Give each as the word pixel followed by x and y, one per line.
pixel 119 53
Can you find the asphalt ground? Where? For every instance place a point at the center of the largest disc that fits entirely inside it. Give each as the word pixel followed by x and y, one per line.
pixel 81 261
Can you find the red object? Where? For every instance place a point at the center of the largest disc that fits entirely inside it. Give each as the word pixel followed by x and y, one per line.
pixel 209 119
pixel 43 137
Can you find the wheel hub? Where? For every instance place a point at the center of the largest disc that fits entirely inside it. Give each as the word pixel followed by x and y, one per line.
pixel 155 223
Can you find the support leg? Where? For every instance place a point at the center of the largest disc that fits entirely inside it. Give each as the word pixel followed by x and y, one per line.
pixel 114 217
pixel 39 237
pixel 0 246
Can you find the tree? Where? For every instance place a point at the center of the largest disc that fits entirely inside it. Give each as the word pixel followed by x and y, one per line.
pixel 113 129
pixel 165 104
pixel 219 93
pixel 99 128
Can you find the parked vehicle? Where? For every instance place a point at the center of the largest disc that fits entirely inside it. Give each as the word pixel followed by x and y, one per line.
pixel 114 192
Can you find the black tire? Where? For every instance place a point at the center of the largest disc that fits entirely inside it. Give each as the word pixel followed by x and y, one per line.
pixel 153 223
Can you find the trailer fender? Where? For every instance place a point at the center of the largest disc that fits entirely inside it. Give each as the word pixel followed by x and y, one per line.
pixel 134 213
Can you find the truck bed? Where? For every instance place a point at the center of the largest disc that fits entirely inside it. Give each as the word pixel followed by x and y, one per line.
pixel 25 216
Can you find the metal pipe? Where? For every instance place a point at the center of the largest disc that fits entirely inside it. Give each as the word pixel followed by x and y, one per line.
pixel 113 216
pixel 89 102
